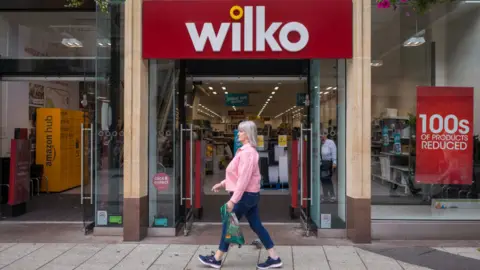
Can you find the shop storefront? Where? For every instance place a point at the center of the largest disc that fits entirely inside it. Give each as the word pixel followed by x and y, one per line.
pixel 167 81
pixel 392 175
pixel 247 56
pixel 61 113
pixel 264 33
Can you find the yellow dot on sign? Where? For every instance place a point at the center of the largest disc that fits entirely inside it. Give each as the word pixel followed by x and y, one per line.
pixel 236 12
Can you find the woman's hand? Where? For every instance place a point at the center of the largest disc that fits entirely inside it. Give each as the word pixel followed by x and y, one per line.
pixel 230 206
pixel 216 187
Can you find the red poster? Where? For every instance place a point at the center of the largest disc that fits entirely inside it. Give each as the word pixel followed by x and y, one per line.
pixel 19 190
pixel 161 181
pixel 256 29
pixel 444 135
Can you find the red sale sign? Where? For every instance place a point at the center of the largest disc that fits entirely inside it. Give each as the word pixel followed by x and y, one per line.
pixel 256 29
pixel 444 135
pixel 161 181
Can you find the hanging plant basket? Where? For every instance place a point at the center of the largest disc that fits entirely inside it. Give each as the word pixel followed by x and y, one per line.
pixel 102 4
pixel 419 6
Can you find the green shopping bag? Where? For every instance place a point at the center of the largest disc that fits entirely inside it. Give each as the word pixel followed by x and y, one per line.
pixel 233 234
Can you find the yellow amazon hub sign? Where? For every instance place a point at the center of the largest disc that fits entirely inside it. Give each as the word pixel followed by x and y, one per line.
pixel 58 135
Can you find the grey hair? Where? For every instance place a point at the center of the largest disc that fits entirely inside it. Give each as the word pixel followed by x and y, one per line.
pixel 250 128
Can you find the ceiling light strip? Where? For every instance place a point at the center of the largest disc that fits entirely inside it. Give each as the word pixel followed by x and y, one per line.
pixel 268 100
pixel 208 110
pixel 290 111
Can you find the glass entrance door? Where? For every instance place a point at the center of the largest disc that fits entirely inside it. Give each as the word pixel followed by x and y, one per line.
pixel 310 158
pixel 187 151
pixel 87 157
pixel 325 135
pixel 314 142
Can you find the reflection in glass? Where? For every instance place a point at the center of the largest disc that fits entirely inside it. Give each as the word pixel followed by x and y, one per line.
pixel 328 106
pixel 109 117
pixel 51 34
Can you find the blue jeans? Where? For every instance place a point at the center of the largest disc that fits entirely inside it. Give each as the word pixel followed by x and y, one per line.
pixel 248 207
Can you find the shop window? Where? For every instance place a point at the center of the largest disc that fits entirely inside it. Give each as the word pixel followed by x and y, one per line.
pixel 108 115
pixel 50 34
pixel 36 45
pixel 425 107
pixel 327 112
pixel 163 191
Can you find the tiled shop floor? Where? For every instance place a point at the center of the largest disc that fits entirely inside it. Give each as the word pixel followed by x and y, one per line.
pixel 97 256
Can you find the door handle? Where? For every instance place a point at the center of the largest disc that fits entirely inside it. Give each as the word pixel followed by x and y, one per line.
pixel 302 198
pixel 191 166
pixel 311 165
pixel 81 162
pixel 91 164
pixel 181 162
pixel 301 165
pixel 182 198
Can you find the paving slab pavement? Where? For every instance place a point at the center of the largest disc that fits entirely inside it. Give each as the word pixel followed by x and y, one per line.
pixel 139 256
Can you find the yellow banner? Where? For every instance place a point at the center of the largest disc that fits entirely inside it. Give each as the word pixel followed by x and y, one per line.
pixel 282 140
pixel 260 141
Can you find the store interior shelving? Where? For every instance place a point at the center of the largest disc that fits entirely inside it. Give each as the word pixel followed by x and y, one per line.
pixel 393 156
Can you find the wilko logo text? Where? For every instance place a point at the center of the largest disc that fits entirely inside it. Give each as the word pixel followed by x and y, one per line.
pixel 274 35
pixel 254 29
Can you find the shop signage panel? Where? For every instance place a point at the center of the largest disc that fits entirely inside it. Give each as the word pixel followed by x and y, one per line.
pixel 237 100
pixel 444 135
pixel 258 29
pixel 19 189
pixel 236 113
pixel 282 140
pixel 58 140
pixel 102 218
pixel 260 142
pixel 237 117
pixel 115 219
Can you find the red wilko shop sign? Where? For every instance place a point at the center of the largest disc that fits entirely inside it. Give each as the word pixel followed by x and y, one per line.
pixel 268 29
pixel 444 135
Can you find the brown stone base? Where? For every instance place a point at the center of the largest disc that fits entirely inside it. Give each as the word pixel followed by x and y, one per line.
pixel 359 220
pixel 135 218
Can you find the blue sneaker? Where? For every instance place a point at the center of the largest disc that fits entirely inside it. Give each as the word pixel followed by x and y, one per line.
pixel 210 261
pixel 270 263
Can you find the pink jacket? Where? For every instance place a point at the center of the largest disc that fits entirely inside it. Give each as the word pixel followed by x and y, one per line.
pixel 243 173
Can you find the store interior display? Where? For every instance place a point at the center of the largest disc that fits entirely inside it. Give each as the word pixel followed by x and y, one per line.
pixel 393 159
pixel 52 126
pixel 215 132
pixel 393 165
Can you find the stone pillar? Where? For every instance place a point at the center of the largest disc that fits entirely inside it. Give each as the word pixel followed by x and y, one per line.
pixel 358 170
pixel 135 204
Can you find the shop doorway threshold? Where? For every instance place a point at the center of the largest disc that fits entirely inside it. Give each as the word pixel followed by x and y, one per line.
pixel 20 222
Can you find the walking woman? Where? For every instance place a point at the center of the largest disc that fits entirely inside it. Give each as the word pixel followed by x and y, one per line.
pixel 242 181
